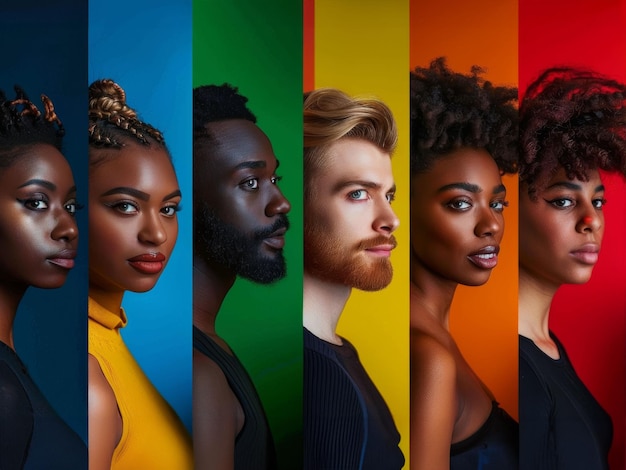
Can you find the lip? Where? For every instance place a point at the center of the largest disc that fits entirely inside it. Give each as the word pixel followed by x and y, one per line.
pixel 486 257
pixel 276 240
pixel 587 254
pixel 148 263
pixel 63 258
pixel 383 250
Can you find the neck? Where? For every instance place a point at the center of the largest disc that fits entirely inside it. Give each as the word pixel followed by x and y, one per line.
pixel 210 285
pixel 10 296
pixel 110 300
pixel 535 297
pixel 430 294
pixel 323 303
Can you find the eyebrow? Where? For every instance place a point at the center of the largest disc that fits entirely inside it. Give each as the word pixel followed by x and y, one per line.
pixel 472 188
pixel 39 182
pixel 573 186
pixel 364 183
pixel 138 194
pixel 251 164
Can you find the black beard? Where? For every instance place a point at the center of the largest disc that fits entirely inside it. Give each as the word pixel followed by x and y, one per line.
pixel 222 244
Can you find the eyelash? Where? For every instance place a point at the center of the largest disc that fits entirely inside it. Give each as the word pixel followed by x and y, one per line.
pixel 598 203
pixel 351 195
pixel 246 183
pixel 452 204
pixel 70 206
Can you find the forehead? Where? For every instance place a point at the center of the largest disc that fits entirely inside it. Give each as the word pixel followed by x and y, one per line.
pixel 356 160
pixel 465 165
pixel 37 161
pixel 237 141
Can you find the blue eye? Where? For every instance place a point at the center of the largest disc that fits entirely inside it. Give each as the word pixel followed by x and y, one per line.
pixel 358 195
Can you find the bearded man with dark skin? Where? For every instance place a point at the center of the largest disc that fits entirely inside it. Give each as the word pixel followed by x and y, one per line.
pixel 240 220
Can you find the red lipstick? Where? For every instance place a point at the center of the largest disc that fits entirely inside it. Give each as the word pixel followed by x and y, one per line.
pixel 485 258
pixel 148 263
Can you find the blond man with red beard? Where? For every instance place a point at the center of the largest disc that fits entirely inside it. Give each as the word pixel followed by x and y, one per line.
pixel 348 238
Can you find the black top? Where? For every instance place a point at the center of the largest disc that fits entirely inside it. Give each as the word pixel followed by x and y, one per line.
pixel 562 426
pixel 32 435
pixel 254 447
pixel 493 447
pixel 347 424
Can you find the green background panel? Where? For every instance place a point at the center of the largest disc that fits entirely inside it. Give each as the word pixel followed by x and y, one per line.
pixel 257 47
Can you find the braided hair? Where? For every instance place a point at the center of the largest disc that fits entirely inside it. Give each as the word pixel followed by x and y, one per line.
pixel 451 110
pixel 573 119
pixel 113 124
pixel 22 124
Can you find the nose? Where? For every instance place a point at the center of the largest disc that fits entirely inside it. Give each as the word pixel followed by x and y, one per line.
pixel 152 231
pixel 386 221
pixel 65 228
pixel 489 224
pixel 590 221
pixel 278 204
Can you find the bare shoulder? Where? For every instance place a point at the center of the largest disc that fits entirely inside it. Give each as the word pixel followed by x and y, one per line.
pixel 105 422
pixel 102 401
pixel 431 356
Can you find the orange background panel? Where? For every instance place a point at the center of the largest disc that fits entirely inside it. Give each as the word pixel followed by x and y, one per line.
pixel 483 319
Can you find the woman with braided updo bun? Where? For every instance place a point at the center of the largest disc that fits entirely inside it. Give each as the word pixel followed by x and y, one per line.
pixel 463 138
pixel 38 239
pixel 572 125
pixel 133 200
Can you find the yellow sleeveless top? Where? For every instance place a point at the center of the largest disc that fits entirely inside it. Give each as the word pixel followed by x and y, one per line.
pixel 153 437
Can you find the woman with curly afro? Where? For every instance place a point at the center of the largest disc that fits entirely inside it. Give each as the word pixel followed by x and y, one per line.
pixel 464 136
pixel 572 125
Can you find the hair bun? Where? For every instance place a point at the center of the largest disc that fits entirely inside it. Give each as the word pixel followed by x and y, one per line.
pixel 108 99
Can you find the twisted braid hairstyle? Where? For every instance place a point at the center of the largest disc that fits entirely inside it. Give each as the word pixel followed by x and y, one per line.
pixel 573 119
pixel 113 124
pixel 330 115
pixel 451 110
pixel 22 124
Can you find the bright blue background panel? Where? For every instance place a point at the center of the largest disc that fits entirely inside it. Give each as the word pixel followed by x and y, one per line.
pixel 145 46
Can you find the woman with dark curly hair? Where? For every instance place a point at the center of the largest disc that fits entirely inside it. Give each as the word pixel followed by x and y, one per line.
pixel 133 200
pixel 39 237
pixel 463 138
pixel 572 124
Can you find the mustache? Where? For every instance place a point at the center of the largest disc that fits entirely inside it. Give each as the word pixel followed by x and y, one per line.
pixel 281 222
pixel 376 241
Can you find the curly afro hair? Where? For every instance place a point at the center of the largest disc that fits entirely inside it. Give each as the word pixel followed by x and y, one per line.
pixel 452 110
pixel 573 119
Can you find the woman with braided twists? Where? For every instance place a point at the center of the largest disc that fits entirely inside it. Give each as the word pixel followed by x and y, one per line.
pixel 38 236
pixel 133 200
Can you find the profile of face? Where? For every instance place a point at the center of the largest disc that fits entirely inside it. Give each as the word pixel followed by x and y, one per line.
pixel 456 216
pixel 561 229
pixel 348 219
pixel 38 233
pixel 133 202
pixel 240 214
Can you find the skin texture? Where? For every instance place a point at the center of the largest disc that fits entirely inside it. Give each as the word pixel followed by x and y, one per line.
pixel 38 232
pixel 456 210
pixel 237 182
pixel 348 225
pixel 123 224
pixel 556 229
